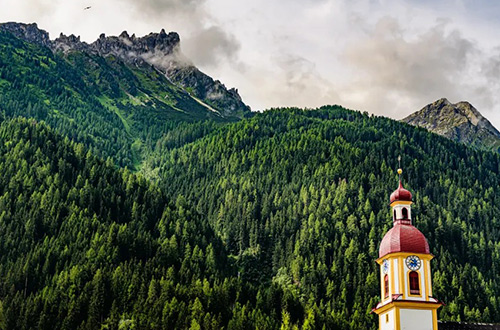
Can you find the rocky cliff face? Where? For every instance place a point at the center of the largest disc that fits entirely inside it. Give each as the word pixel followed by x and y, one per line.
pixel 160 50
pixel 460 122
pixel 132 49
pixel 28 32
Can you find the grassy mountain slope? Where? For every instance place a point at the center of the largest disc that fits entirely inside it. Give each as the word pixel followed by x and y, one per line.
pixel 114 108
pixel 300 198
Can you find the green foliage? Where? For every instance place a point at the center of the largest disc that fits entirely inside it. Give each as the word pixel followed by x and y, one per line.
pixel 101 102
pixel 267 223
pixel 85 246
pixel 301 197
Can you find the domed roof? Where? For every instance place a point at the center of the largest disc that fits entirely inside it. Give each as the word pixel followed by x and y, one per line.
pixel 401 194
pixel 403 238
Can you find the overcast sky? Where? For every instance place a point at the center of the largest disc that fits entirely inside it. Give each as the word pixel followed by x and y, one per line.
pixel 384 57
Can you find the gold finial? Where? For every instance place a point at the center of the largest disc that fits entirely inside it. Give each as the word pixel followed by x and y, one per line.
pixel 400 171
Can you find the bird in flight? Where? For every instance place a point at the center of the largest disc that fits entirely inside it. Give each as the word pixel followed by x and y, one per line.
pixel 87 8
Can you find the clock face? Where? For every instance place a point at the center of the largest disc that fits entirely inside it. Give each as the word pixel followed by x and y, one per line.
pixel 413 262
pixel 385 266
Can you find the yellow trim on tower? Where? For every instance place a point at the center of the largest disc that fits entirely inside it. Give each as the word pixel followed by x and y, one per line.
pixel 407 304
pixel 397 319
pixel 429 279
pixel 400 203
pixel 393 288
pixel 426 278
pixel 382 295
pixel 434 319
pixel 401 276
pixel 423 256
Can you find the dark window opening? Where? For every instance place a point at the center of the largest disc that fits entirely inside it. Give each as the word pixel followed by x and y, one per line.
pixel 386 286
pixel 414 283
pixel 394 214
pixel 405 213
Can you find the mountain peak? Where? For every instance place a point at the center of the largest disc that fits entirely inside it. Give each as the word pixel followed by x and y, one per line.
pixel 28 32
pixel 159 50
pixel 460 122
pixel 442 101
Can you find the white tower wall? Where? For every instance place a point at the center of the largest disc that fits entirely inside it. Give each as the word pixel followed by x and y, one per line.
pixel 416 319
pixel 387 320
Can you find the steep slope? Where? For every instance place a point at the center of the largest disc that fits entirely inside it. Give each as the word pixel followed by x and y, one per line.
pixel 159 50
pixel 290 208
pixel 459 122
pixel 117 107
pixel 300 199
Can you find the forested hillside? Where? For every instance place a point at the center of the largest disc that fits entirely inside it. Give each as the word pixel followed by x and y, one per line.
pixel 269 222
pixel 300 199
pixel 85 246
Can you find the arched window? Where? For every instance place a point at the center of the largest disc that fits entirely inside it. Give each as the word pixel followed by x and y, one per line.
pixel 405 213
pixel 386 286
pixel 414 283
pixel 394 214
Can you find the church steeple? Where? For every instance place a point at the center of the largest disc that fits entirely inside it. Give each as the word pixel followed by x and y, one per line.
pixel 405 283
pixel 401 200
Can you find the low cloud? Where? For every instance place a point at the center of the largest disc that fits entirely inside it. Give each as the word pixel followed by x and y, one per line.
pixel 211 46
pixel 203 40
pixel 385 57
pixel 287 80
pixel 395 73
pixel 159 7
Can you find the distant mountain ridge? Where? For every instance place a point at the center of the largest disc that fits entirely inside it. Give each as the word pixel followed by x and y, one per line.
pixel 117 95
pixel 160 50
pixel 460 122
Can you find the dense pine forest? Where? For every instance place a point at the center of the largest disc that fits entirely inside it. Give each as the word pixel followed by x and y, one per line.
pixel 123 215
pixel 86 246
pixel 300 199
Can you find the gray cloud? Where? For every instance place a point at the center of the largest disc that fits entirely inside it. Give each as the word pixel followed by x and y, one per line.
pixel 298 72
pixel 291 80
pixel 309 53
pixel 491 67
pixel 203 40
pixel 211 46
pixel 160 9
pixel 395 71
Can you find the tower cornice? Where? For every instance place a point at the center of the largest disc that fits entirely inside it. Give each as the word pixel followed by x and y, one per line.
pixel 424 256
pixel 408 304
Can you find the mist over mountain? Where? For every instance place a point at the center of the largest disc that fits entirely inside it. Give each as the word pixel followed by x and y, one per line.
pixel 117 95
pixel 161 50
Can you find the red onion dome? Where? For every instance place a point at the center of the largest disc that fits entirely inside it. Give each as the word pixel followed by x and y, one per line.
pixel 403 238
pixel 401 194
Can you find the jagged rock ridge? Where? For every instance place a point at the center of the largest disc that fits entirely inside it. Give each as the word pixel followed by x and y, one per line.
pixel 160 50
pixel 460 122
pixel 28 32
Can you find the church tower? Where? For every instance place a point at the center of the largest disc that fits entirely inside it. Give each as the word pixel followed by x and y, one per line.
pixel 405 268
